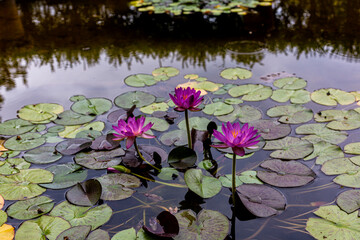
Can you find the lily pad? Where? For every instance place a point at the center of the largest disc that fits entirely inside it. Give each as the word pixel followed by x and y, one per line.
pixel 118 186
pixel 3 217
pixel 331 97
pixel 261 200
pixel 13 165
pixel 117 115
pixel 73 146
pixel 233 101
pixel 98 234
pixel 348 201
pixel 77 98
pixel 198 123
pixel 351 179
pixel 292 83
pixel 251 92
pixel 89 134
pixel 164 73
pixel 270 129
pixel 24 141
pixel 175 137
pixel 339 166
pixel 85 194
pixel 42 155
pixel 138 98
pixel 168 173
pixel 72 131
pixel 339 119
pixel 243 113
pixel 159 124
pixel 165 225
pixel 352 148
pixel 76 215
pixel 207 225
pixel 100 159
pixel 30 208
pixel 236 73
pixel 334 224
pixel 92 106
pixel 292 114
pixel 319 132
pixel 325 151
pixel 285 173
pixel 15 127
pixel 128 234
pixel 24 184
pixel 78 232
pixel 72 118
pixel 182 157
pixel 140 80
pixel 150 109
pixel 45 226
pixel 204 186
pixel 65 175
pixel 295 96
pixel 218 109
pixel 40 113
pixel 289 148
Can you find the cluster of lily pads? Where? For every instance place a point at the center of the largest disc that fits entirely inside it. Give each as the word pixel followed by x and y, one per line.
pixel 193 6
pixel 75 141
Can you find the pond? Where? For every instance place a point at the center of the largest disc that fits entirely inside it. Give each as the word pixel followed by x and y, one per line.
pixel 300 54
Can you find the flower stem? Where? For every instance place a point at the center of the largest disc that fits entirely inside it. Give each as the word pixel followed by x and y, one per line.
pixel 188 128
pixel 141 156
pixel 233 178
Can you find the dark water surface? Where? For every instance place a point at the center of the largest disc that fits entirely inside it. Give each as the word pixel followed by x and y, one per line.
pixel 52 50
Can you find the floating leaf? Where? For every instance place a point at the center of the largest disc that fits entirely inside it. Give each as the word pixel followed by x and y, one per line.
pixel 118 186
pixel 24 184
pixel 295 96
pixel 72 118
pixel 208 224
pixel 116 115
pixel 155 107
pixel 333 224
pixel 73 146
pixel 65 175
pixel 292 114
pixel 339 119
pixel 319 132
pixel 128 234
pixel 175 137
pixel 13 165
pixel 72 131
pixel 42 155
pixel 78 232
pixel 289 148
pixel 164 73
pixel 85 194
pixel 198 123
pixel 285 173
pixel 99 159
pixel 352 179
pixel 339 166
pixel 292 83
pixel 168 173
pixel 105 142
pixel 165 225
pixel 270 129
pixel 236 73
pixel 348 201
pixel 77 98
pixel 98 234
pixel 218 109
pixel 138 98
pixel 243 113
pixel 226 181
pixel 38 229
pixel 352 148
pixel 251 92
pixel 182 157
pixel 24 141
pixel 261 200
pixel 204 186
pixel 30 208
pixel 159 124
pixel 40 113
pixel 92 106
pixel 233 101
pixel 15 127
pixel 3 218
pixel 325 151
pixel 201 86
pixel 140 80
pixel 331 97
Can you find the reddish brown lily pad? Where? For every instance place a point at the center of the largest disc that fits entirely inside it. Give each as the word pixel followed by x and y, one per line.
pixel 270 129
pixel 165 225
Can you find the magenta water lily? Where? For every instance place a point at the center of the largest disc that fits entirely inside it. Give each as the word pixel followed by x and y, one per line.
pixel 186 99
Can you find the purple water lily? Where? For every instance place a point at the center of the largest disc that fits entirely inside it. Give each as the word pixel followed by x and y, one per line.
pixel 186 99
pixel 236 137
pixel 132 129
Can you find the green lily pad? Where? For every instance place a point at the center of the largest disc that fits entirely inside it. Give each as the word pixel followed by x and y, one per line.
pixel 24 141
pixel 218 109
pixel 24 184
pixel 3 217
pixel 339 119
pixel 236 73
pixel 289 148
pixel 331 97
pixel 77 98
pixel 233 101
pixel 76 215
pixel 65 175
pixel 128 234
pixel 100 159
pixel 89 134
pixel 208 224
pixel 15 127
pixel 85 194
pixel 98 234
pixel 175 137
pixel 334 224
pixel 140 80
pixel 295 96
pixel 348 201
pixel 13 165
pixel 72 131
pixel 55 129
pixel 92 106
pixel 244 177
pixel 351 179
pixel 168 173
pixel 150 109
pixel 285 173
pixel 243 113
pixel 292 114
pixel 40 113
pixel 339 166
pixel 325 151
pixel 30 208
pixel 78 232
pixel 164 73
pixel 42 155
pixel 182 157
pixel 69 117
pixel 198 123
pixel 38 229
pixel 352 148
pixel 270 129
pixel 319 132
pixel 251 92
pixel 204 186
pixel 159 124
pixel 138 98
pixel 118 186
pixel 292 83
